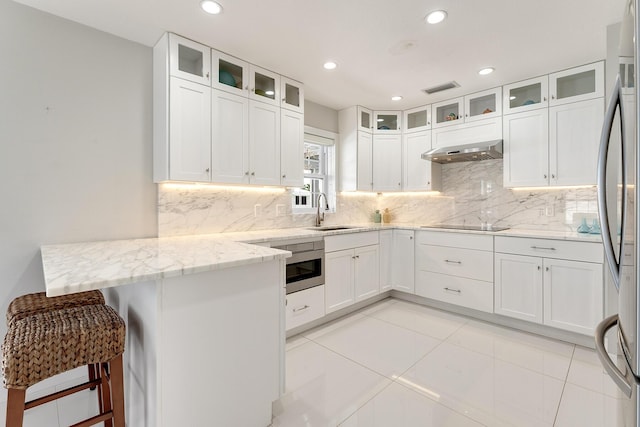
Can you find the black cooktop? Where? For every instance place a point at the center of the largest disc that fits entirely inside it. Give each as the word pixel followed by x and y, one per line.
pixel 466 227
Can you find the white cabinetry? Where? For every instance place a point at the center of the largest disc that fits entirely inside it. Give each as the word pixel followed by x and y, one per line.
pixel 577 84
pixel 189 60
pixel 355 149
pixel 417 119
pixel 387 122
pixel 230 74
pixel 387 162
pixel 352 269
pixel 402 261
pixel 264 85
pixel 292 93
pixel 526 152
pixel 291 148
pixel 419 174
pixel 264 143
pixel 526 95
pixel 304 306
pixel 556 283
pixel 455 268
pixel 230 139
pixel 386 251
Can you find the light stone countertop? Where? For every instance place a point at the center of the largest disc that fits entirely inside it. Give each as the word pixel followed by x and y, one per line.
pixel 78 267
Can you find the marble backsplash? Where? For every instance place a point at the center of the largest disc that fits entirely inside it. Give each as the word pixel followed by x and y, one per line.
pixel 472 194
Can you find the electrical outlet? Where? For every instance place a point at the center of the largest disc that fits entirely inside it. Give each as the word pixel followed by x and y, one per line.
pixel 257 210
pixel 549 211
pixel 281 210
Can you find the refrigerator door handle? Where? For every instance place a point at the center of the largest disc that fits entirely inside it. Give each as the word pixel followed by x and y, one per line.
pixel 603 212
pixel 616 375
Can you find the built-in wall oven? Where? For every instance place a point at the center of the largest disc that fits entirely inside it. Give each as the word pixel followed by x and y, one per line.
pixel 305 268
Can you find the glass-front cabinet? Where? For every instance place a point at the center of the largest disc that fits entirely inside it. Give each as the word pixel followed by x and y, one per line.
pixel 365 119
pixel 264 85
pixel 292 93
pixel 189 60
pixel 577 84
pixel 448 112
pixel 388 122
pixel 232 74
pixel 417 119
pixel 526 95
pixel 483 105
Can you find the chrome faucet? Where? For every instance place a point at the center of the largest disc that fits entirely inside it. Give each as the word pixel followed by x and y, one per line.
pixel 319 218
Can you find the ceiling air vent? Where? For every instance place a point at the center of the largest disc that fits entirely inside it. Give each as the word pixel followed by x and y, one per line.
pixel 440 88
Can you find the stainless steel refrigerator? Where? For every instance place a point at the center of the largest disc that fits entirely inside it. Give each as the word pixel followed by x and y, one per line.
pixel 617 195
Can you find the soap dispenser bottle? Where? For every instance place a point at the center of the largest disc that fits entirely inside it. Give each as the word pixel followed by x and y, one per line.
pixel 386 216
pixel 377 218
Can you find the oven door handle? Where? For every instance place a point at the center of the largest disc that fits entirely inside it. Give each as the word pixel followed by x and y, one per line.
pixel 305 256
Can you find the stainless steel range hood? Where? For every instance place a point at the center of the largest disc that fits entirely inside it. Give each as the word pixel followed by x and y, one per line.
pixel 485 150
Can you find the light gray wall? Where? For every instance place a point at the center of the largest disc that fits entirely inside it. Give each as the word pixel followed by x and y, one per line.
pixel 75 141
pixel 321 117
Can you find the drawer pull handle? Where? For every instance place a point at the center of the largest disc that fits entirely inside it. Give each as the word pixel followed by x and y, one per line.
pixel 304 307
pixel 543 248
pixel 452 262
pixel 453 290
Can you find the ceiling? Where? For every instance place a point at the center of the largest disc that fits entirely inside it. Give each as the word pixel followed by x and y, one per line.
pixel 382 47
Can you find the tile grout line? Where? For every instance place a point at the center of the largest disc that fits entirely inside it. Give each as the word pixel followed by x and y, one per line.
pixel 564 385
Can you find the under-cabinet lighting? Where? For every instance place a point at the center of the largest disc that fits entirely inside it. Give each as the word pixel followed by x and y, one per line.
pixel 558 187
pixel 357 193
pixel 485 71
pixel 330 65
pixel 411 193
pixel 436 16
pixel 211 7
pixel 216 187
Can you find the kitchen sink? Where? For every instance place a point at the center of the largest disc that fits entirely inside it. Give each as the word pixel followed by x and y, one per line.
pixel 331 228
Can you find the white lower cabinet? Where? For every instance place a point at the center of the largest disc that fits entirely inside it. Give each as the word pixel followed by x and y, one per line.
pixel 352 270
pixel 402 261
pixel 562 287
pixel 386 251
pixel 304 306
pixel 455 268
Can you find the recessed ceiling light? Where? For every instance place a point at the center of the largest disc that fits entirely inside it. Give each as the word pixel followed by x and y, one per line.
pixel 396 98
pixel 211 7
pixel 330 65
pixel 436 16
pixel 486 71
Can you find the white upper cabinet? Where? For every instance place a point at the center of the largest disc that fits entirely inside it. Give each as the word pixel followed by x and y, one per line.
pixel 264 85
pixel 449 112
pixel 417 119
pixel 526 95
pixel 189 60
pixel 230 138
pixel 387 162
pixel 387 122
pixel 291 148
pixel 483 105
pixel 364 160
pixel 292 93
pixel 264 144
pixel 365 119
pixel 419 174
pixel 526 149
pixel 577 84
pixel 229 74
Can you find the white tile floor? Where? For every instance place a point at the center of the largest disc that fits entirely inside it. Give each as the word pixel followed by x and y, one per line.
pixel 400 364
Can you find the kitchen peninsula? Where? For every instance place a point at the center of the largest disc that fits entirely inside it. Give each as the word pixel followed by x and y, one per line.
pixel 205 326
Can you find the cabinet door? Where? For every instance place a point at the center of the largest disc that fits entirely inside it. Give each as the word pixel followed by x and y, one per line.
pixel 387 162
pixel 189 60
pixel 574 141
pixel 365 119
pixel 292 148
pixel 526 152
pixel 525 95
pixel 189 131
pixel 386 259
pixel 364 160
pixel 387 122
pixel 403 263
pixel 230 74
pixel 577 84
pixel 518 287
pixel 264 143
pixel 366 275
pixel 338 283
pixel 417 119
pixel 573 295
pixel 483 105
pixel 449 112
pixel 418 174
pixel 265 85
pixel 292 93
pixel 230 138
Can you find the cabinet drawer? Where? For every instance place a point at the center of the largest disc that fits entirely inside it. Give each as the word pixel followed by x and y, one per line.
pixel 304 306
pixel 469 263
pixel 547 248
pixel 350 240
pixel 457 240
pixel 461 291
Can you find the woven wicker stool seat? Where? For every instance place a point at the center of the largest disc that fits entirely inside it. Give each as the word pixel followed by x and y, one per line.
pixel 47 343
pixel 26 305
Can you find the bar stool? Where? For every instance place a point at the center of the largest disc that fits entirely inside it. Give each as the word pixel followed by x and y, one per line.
pixel 48 343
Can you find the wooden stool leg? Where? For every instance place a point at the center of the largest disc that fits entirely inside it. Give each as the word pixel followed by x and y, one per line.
pixel 117 389
pixel 15 407
pixel 106 393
